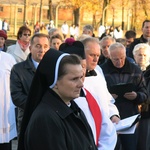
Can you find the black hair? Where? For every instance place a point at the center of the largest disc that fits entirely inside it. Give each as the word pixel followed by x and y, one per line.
pixel 145 22
pixel 130 34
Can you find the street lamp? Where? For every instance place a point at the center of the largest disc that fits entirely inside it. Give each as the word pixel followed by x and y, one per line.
pixel 56 18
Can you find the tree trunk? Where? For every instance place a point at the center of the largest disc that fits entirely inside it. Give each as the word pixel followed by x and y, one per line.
pixel 135 16
pixel 104 14
pixel 50 12
pixel 122 17
pixel 76 16
pixel 94 21
pixel 40 14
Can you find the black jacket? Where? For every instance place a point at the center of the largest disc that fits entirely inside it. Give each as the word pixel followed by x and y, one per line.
pixel 20 81
pixel 55 126
pixel 129 73
pixel 136 41
pixel 21 78
pixel 145 110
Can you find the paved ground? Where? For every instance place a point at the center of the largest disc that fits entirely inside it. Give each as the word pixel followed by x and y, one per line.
pixel 14 145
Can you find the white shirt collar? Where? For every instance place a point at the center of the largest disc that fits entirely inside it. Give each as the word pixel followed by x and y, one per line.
pixel 35 63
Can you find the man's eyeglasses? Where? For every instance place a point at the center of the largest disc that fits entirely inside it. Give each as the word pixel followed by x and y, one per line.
pixel 27 34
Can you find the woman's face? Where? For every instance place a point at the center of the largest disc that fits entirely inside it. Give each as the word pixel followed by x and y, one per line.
pixel 141 57
pixel 2 42
pixel 68 87
pixel 55 43
pixel 25 37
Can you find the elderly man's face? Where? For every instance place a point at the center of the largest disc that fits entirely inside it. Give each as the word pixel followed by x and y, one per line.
pixel 105 46
pixel 92 52
pixel 117 57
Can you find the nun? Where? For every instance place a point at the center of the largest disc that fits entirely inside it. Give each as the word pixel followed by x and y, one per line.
pixel 52 121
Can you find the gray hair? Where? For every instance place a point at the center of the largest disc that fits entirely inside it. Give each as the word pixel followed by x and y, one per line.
pixel 52 30
pixel 88 27
pixel 83 37
pixel 105 38
pixel 116 46
pixel 108 38
pixel 144 46
pixel 90 39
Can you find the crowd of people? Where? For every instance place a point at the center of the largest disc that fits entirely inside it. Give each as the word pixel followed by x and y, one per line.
pixel 57 88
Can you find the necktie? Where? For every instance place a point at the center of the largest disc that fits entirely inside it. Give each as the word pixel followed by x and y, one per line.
pixel 96 113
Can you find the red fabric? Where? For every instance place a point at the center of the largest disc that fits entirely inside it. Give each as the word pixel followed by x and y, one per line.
pixel 3 34
pixel 96 113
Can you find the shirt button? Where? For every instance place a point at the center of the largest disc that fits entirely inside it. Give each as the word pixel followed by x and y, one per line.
pixel 91 146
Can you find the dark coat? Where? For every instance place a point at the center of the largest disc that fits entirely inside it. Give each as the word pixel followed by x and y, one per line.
pixel 145 110
pixel 20 82
pixel 129 73
pixel 144 123
pixel 21 78
pixel 55 126
pixel 136 41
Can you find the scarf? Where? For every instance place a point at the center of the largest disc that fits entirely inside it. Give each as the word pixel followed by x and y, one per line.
pixel 23 45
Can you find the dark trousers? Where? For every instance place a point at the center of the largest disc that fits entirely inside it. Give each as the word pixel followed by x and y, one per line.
pixel 144 134
pixel 5 146
pixel 118 144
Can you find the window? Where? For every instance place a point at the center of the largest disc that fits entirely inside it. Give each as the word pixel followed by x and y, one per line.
pixel 20 10
pixel 1 8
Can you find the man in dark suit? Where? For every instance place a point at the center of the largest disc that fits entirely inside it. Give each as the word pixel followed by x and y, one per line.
pixel 144 37
pixel 118 71
pixel 22 73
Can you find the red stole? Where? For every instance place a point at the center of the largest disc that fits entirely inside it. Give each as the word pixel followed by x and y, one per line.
pixel 96 113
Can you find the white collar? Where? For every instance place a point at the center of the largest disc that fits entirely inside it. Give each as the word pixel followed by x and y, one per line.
pixel 35 63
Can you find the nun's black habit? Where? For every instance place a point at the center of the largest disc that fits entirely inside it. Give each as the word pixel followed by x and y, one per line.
pixel 48 123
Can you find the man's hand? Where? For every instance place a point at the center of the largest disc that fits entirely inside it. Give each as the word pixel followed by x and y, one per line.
pixel 115 119
pixel 130 95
